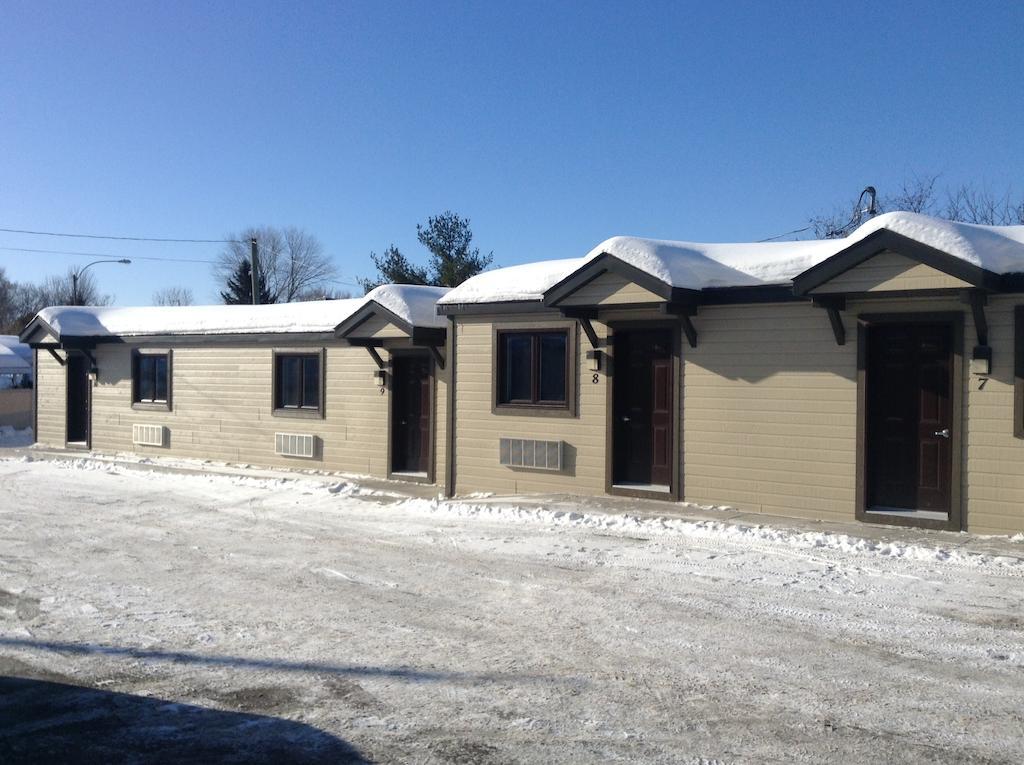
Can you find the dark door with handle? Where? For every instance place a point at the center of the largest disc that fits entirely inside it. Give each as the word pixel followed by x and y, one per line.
pixel 77 367
pixel 410 414
pixel 909 416
pixel 642 405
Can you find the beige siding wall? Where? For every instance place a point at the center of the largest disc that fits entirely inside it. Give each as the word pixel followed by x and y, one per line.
pixel 769 412
pixel 222 409
pixel 769 415
pixel 380 328
pixel 611 289
pixel 441 377
pixel 477 428
pixel 994 459
pixel 52 400
pixel 888 272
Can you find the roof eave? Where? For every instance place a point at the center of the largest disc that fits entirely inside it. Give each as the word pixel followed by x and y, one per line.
pixel 885 240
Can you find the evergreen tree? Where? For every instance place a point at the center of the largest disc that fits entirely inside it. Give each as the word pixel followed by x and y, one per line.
pixel 452 260
pixel 239 291
pixel 448 237
pixel 394 268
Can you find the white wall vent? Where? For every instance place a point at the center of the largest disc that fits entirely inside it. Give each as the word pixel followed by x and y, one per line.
pixel 530 453
pixel 149 435
pixel 295 445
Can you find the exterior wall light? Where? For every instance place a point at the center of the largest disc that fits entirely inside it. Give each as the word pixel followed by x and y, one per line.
pixel 981 360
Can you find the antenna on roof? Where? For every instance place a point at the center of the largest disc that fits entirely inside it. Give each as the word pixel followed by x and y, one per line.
pixel 859 211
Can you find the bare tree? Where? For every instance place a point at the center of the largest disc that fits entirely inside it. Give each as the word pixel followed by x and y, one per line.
pixel 60 290
pixel 173 296
pixel 7 294
pixel 19 302
pixel 292 261
pixel 971 205
pixel 965 204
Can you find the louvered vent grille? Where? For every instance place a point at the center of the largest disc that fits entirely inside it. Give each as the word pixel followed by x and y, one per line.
pixel 295 444
pixel 530 453
pixel 148 435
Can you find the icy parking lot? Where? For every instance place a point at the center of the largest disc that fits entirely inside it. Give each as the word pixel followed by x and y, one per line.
pixel 233 618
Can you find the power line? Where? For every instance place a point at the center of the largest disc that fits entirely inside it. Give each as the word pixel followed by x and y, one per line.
pixel 104 255
pixel 788 233
pixel 122 238
pixel 76 253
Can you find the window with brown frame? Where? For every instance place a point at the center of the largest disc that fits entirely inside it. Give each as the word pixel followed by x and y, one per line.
pixel 1018 372
pixel 151 380
pixel 298 383
pixel 533 369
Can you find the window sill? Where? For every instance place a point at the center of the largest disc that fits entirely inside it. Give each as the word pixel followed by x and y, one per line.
pixel 152 406
pixel 532 410
pixel 299 414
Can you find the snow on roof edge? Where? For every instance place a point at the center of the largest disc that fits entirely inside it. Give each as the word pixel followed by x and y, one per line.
pixel 696 265
pixel 413 303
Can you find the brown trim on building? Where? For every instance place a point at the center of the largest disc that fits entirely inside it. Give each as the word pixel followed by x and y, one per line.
pixel 67 406
pixel 307 414
pixel 35 395
pixel 605 263
pixel 956 521
pixel 572 352
pixel 496 308
pixel 450 414
pixel 431 463
pixel 675 492
pixel 153 406
pixel 768 293
pixel 420 335
pixel 1018 371
pixel 885 240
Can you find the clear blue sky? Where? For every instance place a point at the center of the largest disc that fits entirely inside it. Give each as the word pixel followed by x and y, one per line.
pixel 551 125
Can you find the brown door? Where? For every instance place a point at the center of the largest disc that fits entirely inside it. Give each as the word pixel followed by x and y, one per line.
pixel 909 418
pixel 77 367
pixel 411 414
pixel 642 408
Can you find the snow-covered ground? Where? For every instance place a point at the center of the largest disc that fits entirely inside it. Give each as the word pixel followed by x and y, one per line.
pixel 215 616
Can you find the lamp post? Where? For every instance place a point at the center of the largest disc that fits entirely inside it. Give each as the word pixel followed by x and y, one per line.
pixel 76 275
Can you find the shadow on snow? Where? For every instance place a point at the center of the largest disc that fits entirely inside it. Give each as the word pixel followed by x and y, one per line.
pixel 45 721
pixel 182 657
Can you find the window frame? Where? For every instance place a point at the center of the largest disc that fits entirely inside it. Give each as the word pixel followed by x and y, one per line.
pixel 305 412
pixel 566 408
pixel 155 405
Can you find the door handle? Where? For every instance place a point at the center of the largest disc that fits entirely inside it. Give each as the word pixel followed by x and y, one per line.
pixel 624 419
pixel 944 433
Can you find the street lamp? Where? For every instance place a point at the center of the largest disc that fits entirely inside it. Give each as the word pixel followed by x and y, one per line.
pixel 76 275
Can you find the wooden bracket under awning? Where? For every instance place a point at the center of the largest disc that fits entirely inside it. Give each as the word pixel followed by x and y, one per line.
pixel 833 304
pixel 371 347
pixel 977 300
pixel 436 353
pixel 683 311
pixel 585 316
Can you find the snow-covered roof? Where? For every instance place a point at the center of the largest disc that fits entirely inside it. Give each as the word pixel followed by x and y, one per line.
pixel 15 356
pixel 700 265
pixel 528 281
pixel 414 304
